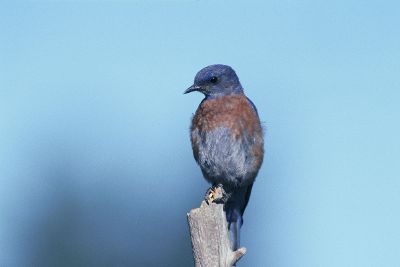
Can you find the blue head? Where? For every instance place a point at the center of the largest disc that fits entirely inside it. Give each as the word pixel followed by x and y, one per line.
pixel 216 80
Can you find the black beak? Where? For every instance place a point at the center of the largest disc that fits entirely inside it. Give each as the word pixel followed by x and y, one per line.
pixel 192 89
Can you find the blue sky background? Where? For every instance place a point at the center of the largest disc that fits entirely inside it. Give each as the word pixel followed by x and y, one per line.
pixel 96 167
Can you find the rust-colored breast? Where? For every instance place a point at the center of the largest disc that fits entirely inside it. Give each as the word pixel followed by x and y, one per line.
pixel 238 155
pixel 234 112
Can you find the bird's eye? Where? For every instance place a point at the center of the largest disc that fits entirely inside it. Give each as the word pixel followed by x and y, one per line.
pixel 214 79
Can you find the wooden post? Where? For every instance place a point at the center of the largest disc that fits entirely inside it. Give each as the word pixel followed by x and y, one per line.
pixel 210 238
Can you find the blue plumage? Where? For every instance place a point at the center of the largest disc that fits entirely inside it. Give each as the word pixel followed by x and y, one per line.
pixel 227 140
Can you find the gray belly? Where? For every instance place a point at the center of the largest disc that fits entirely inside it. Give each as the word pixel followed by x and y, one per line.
pixel 225 159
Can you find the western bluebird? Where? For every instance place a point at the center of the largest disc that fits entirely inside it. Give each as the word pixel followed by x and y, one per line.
pixel 227 141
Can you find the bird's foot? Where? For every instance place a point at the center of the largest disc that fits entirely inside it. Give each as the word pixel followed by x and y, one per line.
pixel 216 194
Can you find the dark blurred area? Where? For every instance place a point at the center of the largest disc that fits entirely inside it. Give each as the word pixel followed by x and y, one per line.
pixel 70 215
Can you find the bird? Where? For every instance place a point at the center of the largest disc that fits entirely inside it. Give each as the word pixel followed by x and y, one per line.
pixel 227 142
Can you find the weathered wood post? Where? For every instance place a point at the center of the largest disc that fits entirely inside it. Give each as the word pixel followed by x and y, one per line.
pixel 210 237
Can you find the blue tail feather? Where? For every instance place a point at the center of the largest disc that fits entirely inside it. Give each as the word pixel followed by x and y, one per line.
pixel 234 209
pixel 234 234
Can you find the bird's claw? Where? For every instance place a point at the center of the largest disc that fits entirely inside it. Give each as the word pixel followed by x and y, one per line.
pixel 216 194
